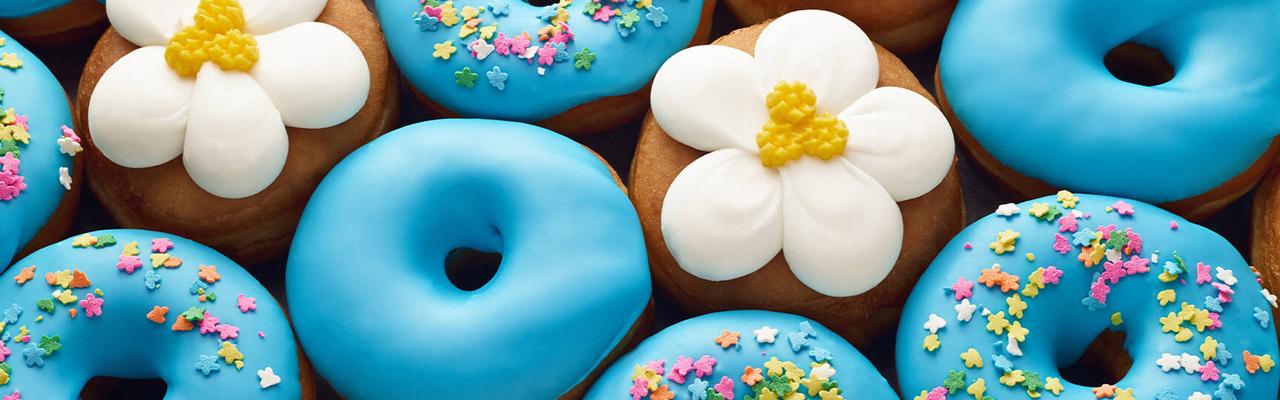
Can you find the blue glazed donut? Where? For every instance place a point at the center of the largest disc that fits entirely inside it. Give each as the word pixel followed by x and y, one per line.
pixel 595 57
pixel 82 307
pixel 33 93
pixel 1028 82
pixel 718 354
pixel 573 279
pixel 1195 317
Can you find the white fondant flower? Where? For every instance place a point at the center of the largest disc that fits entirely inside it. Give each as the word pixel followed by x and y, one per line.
pixel 229 126
pixel 836 220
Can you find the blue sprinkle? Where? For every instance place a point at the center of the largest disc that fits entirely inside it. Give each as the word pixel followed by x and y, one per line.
pixel 820 354
pixel 698 389
pixel 1172 269
pixel 207 365
pixel 497 78
pixel 1002 363
pixel 807 329
pixel 33 356
pixel 562 54
pixel 1166 394
pixel 1224 393
pixel 12 313
pixel 1092 303
pixel 1232 381
pixel 1224 356
pixel 798 340
pixel 1212 304
pixel 198 286
pixel 1083 237
pixel 427 23
pixel 548 12
pixel 498 8
pixel 657 15
pixel 1263 317
pixel 153 280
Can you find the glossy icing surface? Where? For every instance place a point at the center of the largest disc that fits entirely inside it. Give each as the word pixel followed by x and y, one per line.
pixel 573 279
pixel 34 92
pixel 762 337
pixel 1033 90
pixel 622 65
pixel 27 8
pixel 95 345
pixel 1059 322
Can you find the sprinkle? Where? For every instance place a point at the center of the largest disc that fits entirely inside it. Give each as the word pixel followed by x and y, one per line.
pixel 972 359
pixel 978 388
pixel 246 304
pixel 1271 298
pixel 267 378
pixel 231 355
pixel 657 15
pixel 934 323
pixel 931 342
pixel 497 78
pixel 129 264
pixel 993 276
pixel 1209 372
pixel 1005 242
pixel 1104 391
pixel 797 340
pixel 444 50
pixel 1016 305
pixel 727 339
pixel 1122 208
pixel 681 369
pixel 1202 274
pixel 1008 210
pixel 964 310
pixel 751 376
pixel 26 275
pixel 207 365
pixel 703 366
pixel 1263 317
pixel 157 314
pixel 725 388
pixel 583 59
pixel 209 273
pixel 1173 226
pixel 765 334
pixel 465 78
pixel 161 245
pixel 92 306
pixel 152 280
pixel 1053 385
pixel 1117 319
pixel 1167 296
pixel 1013 378
pixel 1031 256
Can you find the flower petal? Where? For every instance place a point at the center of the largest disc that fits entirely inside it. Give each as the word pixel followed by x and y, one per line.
pixel 150 22
pixel 841 230
pixel 308 97
pixel 900 138
pixel 823 50
pixel 709 98
pixel 266 16
pixel 236 144
pixel 721 218
pixel 138 110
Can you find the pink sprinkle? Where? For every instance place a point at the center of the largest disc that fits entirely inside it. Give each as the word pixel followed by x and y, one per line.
pixel 4 352
pixel 704 365
pixel 21 120
pixel 92 305
pixel 603 14
pixel 25 339
pixel 433 11
pixel 128 264
pixel 565 35
pixel 519 44
pixel 1215 321
pixel 15 396
pixel 1224 292
pixel 1136 265
pixel 680 369
pixel 1060 244
pixel 502 45
pixel 1122 208
pixel 246 304
pixel 208 324
pixel 70 134
pixel 1208 372
pixel 262 334
pixel 1067 223
pixel 1052 274
pixel 546 54
pixel 938 393
pixel 226 332
pixel 968 246
pixel 161 245
pixel 725 388
pixel 1173 225
pixel 9 163
pixel 1099 290
pixel 1106 231
pixel 1202 274
pixel 963 288
pixel 640 389
pixel 1112 271
pixel 1135 241
pixel 11 185
pixel 658 366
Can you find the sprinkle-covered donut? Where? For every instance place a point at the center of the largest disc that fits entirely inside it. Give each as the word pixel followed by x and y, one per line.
pixel 1031 95
pixel 36 148
pixel 573 279
pixel 749 355
pixel 174 309
pixel 511 60
pixel 1025 291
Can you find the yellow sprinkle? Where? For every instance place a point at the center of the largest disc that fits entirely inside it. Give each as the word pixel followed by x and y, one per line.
pixel 931 342
pixel 1209 349
pixel 1053 385
pixel 1167 296
pixel 796 127
pixel 1005 241
pixel 1167 278
pixel 10 61
pixel 487 31
pixel 1116 319
pixel 4 376
pixel 98 292
pixel 1031 256
pixel 978 388
pixel 1067 199
pixel 1183 335
pixel 1039 209
pixel 39 318
pixel 972 359
pixel 130 249
pixel 1012 379
pixel 444 50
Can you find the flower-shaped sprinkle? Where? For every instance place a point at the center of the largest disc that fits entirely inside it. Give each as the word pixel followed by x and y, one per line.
pixel 217 83
pixel 806 155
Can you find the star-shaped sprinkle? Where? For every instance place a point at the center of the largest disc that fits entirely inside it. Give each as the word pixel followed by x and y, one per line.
pixel 766 334
pixel 267 378
pixel 10 61
pixel 1008 210
pixel 583 59
pixel 209 273
pixel 996 323
pixel 1005 242
pixel 92 305
pixel 657 15
pixel 963 288
pixel 727 339
pixel 972 359
pixel 1016 305
pixel 207 365
pixel 465 78
pixel 964 310
pixel 497 78
pixel 1104 391
pixel 157 314
pixel 1053 385
pixel 1169 362
pixel 934 323
pixel 444 50
pixel 161 245
pixel 931 342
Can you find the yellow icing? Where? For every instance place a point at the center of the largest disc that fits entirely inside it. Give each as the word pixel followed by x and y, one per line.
pixel 796 127
pixel 218 37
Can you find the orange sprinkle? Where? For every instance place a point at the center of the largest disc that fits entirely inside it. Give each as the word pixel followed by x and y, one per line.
pixel 1251 362
pixel 173 262
pixel 994 276
pixel 25 275
pixel 157 314
pixel 50 278
pixel 727 339
pixel 72 311
pixel 662 393
pixel 1104 391
pixel 751 375
pixel 181 325
pixel 209 273
pixel 79 280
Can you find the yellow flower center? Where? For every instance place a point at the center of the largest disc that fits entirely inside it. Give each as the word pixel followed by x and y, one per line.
pixel 217 36
pixel 796 127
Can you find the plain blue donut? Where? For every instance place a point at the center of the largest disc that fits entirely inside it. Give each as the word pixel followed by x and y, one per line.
pixel 366 279
pixel 1027 80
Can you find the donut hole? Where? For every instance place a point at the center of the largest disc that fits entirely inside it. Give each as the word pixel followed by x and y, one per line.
pixel 1138 64
pixel 470 269
pixel 117 388
pixel 1105 361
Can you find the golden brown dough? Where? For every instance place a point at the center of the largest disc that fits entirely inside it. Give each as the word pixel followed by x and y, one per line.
pixel 902 26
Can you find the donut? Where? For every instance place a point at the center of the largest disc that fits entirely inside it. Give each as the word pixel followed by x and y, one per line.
pixel 1040 285
pixel 900 26
pixel 174 309
pixel 572 67
pixel 743 355
pixel 1033 90
pixel 37 191
pixel 52 22
pixel 275 130
pixel 571 288
pixel 1264 237
pixel 841 239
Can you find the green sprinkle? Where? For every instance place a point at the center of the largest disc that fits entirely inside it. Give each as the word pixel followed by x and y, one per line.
pixel 465 78
pixel 194 314
pixel 45 304
pixel 584 58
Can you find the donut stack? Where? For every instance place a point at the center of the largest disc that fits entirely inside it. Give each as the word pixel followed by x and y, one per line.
pixel 643 199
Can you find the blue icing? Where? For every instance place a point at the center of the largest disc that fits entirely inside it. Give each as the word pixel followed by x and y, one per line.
pixel 366 278
pixel 693 338
pixel 622 65
pixel 95 346
pixel 1061 328
pixel 27 8
pixel 1033 90
pixel 33 91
